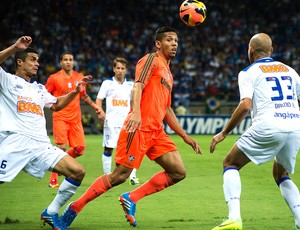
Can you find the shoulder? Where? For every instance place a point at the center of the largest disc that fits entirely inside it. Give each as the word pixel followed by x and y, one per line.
pixel 108 81
pixel 77 74
pixel 149 58
pixel 58 73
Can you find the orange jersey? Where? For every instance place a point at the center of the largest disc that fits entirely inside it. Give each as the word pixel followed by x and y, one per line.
pixel 153 70
pixel 60 84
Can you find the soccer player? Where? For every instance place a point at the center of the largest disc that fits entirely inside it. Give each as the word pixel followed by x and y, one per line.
pixel 143 133
pixel 24 142
pixel 270 91
pixel 117 94
pixel 67 123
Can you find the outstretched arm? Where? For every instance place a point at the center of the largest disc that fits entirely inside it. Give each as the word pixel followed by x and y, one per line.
pixel 63 101
pixel 172 121
pixel 88 100
pixel 238 115
pixel 21 44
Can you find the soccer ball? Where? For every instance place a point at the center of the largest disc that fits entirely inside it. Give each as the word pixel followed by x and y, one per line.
pixel 192 12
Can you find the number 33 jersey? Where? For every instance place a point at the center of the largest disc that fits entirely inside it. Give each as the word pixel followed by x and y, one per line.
pixel 275 90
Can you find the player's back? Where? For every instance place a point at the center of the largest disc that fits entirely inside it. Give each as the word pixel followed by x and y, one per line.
pixel 275 88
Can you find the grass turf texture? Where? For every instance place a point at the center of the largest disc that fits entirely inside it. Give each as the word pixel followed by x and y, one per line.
pixel 195 203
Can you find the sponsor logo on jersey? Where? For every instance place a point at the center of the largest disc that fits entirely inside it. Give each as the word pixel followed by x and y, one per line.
pixel 165 83
pixel 274 68
pixel 119 102
pixel 29 107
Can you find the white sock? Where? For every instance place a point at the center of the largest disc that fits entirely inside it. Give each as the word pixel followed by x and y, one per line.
pixel 106 161
pixel 133 174
pixel 65 192
pixel 290 193
pixel 232 191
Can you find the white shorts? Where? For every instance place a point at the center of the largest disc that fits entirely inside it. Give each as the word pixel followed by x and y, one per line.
pixel 261 147
pixel 111 136
pixel 19 152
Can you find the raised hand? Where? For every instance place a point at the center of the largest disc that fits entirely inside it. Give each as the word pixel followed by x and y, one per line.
pixel 23 42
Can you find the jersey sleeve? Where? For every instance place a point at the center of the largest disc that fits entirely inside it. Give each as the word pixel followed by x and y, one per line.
pixel 49 98
pixel 145 67
pixel 102 91
pixel 245 85
pixel 50 84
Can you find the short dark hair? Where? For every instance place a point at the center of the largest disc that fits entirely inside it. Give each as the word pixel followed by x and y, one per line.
pixel 23 54
pixel 159 34
pixel 121 60
pixel 64 53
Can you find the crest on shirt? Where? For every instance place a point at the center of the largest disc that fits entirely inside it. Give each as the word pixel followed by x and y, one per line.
pixel 69 85
pixel 131 158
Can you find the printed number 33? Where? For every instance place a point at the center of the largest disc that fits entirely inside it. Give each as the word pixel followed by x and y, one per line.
pixel 278 88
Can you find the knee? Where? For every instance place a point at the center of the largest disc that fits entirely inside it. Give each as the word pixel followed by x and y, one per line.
pixel 178 176
pixel 78 151
pixel 79 173
pixel 117 177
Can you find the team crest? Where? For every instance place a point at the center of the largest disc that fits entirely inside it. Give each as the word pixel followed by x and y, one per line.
pixel 131 158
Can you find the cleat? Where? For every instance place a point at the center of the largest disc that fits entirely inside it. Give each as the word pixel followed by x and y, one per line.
pixel 52 220
pixel 67 218
pixel 53 184
pixel 129 208
pixel 295 227
pixel 134 181
pixel 230 225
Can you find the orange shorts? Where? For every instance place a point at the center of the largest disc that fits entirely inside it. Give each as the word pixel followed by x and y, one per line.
pixel 70 133
pixel 132 147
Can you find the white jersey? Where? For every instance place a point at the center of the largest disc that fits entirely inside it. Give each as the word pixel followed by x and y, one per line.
pixel 22 106
pixel 274 89
pixel 118 97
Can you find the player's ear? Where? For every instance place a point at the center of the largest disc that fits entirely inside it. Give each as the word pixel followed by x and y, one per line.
pixel 158 44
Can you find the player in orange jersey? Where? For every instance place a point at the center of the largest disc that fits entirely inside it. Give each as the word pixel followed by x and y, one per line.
pixel 143 133
pixel 67 124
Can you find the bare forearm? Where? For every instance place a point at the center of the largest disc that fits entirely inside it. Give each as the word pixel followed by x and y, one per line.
pixel 88 101
pixel 173 123
pixel 63 101
pixel 238 115
pixel 6 53
pixel 136 96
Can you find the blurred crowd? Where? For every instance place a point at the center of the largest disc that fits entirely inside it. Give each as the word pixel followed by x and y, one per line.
pixel 209 56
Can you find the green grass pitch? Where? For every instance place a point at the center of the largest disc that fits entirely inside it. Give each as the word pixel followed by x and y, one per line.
pixel 195 203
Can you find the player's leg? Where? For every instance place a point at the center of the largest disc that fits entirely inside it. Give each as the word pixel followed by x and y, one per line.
pixel 100 186
pixel 53 182
pixel 232 187
pixel 60 134
pixel 74 174
pixel 110 140
pixel 107 159
pixel 288 189
pixel 76 139
pixel 164 152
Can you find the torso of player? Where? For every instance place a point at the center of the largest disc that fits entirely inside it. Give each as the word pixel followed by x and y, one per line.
pixel 118 97
pixel 155 73
pixel 23 105
pixel 272 86
pixel 60 84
